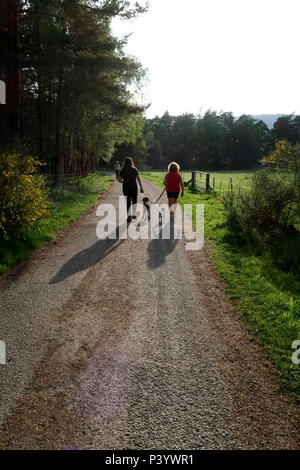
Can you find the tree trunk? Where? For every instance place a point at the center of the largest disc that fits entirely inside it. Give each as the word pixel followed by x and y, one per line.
pixel 40 84
pixel 57 159
pixel 10 71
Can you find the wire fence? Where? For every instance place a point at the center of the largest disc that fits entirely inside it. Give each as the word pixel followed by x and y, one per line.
pixel 221 183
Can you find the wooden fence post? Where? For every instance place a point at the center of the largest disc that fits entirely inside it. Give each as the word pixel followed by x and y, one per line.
pixel 207 182
pixel 194 180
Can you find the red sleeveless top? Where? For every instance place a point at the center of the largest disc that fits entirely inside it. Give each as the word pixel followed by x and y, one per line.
pixel 173 182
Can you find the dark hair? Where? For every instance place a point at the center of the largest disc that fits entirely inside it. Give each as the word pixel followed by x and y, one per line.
pixel 128 163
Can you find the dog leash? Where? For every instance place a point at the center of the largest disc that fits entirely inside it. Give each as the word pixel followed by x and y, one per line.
pixel 161 196
pixel 154 203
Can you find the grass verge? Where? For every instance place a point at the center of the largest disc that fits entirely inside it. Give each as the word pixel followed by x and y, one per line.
pixel 67 205
pixel 266 295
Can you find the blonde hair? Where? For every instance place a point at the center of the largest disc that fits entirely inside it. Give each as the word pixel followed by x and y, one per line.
pixel 173 167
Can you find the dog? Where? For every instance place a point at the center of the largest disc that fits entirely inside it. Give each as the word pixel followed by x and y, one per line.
pixel 146 204
pixel 147 210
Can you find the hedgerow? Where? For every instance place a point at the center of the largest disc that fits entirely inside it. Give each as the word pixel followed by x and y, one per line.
pixel 23 195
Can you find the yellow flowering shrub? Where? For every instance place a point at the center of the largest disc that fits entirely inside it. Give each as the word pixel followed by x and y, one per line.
pixel 23 196
pixel 282 155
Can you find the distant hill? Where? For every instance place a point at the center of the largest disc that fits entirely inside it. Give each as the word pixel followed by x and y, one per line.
pixel 269 119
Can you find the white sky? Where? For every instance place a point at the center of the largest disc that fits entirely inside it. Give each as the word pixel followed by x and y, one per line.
pixel 226 55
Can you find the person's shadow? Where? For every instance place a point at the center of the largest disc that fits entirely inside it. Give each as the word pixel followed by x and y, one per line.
pixel 87 258
pixel 159 249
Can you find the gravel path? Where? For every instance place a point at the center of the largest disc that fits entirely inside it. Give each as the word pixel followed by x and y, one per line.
pixel 112 345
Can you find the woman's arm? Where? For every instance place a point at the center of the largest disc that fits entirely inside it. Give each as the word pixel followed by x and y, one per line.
pixel 140 183
pixel 182 186
pixel 166 179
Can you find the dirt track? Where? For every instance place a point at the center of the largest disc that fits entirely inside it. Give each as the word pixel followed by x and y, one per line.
pixel 124 344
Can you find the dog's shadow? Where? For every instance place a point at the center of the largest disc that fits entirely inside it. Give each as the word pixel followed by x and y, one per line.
pixel 159 249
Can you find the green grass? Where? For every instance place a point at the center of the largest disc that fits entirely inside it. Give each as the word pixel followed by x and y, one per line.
pixel 67 205
pixel 267 296
pixel 240 179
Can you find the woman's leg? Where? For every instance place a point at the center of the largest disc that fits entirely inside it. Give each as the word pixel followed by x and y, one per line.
pixel 172 205
pixel 128 196
pixel 131 201
pixel 134 197
pixel 128 202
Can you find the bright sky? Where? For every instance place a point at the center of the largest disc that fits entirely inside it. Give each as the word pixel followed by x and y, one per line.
pixel 226 55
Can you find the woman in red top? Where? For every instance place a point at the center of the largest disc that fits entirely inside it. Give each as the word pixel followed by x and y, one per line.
pixel 174 184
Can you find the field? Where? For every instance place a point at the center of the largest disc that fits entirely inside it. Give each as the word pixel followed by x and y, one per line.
pixel 267 296
pixel 220 180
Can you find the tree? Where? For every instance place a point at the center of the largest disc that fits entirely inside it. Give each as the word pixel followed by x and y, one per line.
pixel 213 141
pixel 76 77
pixel 9 71
pixel 244 143
pixel 155 155
pixel 283 128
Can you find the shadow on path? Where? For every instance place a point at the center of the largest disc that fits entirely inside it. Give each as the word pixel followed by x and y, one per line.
pixel 159 249
pixel 87 258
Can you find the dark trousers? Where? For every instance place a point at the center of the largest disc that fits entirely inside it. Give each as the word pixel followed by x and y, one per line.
pixel 131 199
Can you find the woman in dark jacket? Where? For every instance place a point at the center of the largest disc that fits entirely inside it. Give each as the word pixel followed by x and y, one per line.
pixel 129 176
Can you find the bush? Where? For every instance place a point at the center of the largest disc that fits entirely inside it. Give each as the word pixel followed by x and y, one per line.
pixel 23 197
pixel 271 205
pixel 281 157
pixel 266 217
